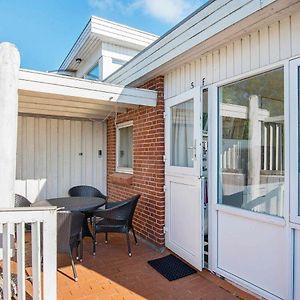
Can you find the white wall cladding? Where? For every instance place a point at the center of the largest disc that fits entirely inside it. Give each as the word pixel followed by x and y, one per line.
pixel 264 46
pixel 49 160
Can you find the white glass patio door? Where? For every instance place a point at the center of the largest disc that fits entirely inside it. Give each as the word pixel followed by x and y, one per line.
pixel 249 214
pixel 182 173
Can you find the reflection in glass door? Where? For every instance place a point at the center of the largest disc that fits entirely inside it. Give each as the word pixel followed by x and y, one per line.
pixel 251 143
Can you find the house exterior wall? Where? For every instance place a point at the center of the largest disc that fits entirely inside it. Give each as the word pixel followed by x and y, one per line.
pixel 269 44
pixel 49 160
pixel 273 43
pixel 148 165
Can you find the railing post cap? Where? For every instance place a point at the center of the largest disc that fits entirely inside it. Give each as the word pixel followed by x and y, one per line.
pixel 9 54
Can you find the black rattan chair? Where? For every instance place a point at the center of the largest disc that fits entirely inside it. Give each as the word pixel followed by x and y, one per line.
pixel 21 201
pixel 69 236
pixel 85 191
pixel 117 217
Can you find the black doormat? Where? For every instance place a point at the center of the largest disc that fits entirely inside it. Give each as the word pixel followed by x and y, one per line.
pixel 171 267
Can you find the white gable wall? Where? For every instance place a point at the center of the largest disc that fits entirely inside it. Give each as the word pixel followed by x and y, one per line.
pixel 267 45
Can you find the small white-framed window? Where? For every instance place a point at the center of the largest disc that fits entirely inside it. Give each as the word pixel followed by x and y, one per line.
pixel 93 73
pixel 124 147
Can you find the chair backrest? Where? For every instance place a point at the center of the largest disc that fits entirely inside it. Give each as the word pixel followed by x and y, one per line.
pixel 125 210
pixel 69 225
pixel 21 201
pixel 85 191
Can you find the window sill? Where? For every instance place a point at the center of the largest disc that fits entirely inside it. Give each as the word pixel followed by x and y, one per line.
pixel 121 178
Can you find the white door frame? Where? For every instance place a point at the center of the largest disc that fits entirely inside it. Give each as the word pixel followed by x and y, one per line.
pixel 294 66
pixel 213 175
pixel 294 132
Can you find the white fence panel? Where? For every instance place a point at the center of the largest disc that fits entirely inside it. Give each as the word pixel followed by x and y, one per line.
pixel 43 222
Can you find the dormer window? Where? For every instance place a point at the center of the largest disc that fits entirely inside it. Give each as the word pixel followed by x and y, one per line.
pixel 94 73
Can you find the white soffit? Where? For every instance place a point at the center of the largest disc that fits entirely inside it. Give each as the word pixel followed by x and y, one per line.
pixel 211 25
pixel 62 96
pixel 99 30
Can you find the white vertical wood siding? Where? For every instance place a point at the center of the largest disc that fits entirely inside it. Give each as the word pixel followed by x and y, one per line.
pixel 49 159
pixel 262 47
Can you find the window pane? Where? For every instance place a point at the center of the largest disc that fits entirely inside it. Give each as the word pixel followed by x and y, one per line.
pixel 182 134
pixel 93 74
pixel 125 147
pixel 251 143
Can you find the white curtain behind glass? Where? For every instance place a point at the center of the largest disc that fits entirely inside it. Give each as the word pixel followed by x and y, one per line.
pixel 182 134
pixel 125 152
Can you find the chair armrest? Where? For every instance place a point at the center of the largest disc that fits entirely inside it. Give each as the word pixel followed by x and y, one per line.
pixel 114 213
pixel 112 204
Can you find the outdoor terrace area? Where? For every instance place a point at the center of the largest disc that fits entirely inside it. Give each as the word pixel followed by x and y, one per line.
pixel 112 275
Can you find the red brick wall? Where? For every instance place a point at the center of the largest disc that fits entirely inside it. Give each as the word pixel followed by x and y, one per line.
pixel 148 165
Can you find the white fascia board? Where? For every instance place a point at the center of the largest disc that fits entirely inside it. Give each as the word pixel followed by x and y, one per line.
pixel 208 21
pixel 82 39
pixel 45 83
pixel 121 35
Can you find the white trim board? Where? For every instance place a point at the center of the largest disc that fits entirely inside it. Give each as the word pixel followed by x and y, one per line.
pixel 61 96
pixel 75 87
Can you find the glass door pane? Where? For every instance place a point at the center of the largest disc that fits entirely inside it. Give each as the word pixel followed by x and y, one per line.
pixel 182 134
pixel 251 143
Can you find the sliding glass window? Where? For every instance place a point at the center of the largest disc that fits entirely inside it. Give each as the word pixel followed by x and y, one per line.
pixel 251 143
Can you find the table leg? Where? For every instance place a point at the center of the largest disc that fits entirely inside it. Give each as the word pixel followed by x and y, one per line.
pixel 85 228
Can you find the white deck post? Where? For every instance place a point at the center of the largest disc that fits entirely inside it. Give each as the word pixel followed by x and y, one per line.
pixel 9 77
pixel 254 156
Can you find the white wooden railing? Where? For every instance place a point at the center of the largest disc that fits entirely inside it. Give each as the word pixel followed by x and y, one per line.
pixel 272 155
pixel 43 247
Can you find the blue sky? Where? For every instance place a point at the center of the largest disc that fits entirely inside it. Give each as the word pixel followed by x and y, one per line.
pixel 45 30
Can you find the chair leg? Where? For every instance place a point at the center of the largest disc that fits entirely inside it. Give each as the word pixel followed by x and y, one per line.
pixel 128 244
pixel 81 250
pixel 133 232
pixel 106 237
pixel 73 266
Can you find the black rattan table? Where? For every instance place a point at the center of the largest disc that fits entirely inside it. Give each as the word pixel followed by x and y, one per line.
pixel 83 204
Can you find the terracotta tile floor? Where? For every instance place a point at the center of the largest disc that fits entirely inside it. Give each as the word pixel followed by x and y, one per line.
pixel 112 275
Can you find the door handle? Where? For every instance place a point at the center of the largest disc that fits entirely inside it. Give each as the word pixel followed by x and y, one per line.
pixel 194 148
